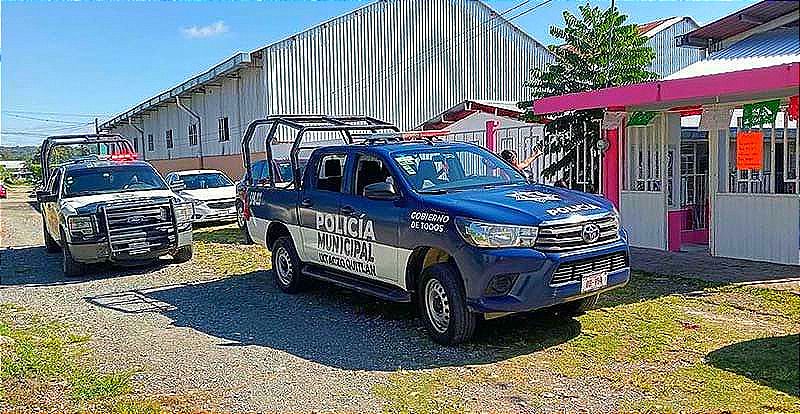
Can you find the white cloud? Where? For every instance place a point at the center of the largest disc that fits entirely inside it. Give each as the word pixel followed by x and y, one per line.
pixel 210 30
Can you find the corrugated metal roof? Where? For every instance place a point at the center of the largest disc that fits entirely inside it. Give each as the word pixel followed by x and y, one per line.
pixel 739 22
pixel 243 59
pixel 760 50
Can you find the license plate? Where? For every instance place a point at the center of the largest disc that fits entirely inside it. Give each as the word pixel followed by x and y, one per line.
pixel 137 245
pixel 140 251
pixel 593 281
pixel 232 210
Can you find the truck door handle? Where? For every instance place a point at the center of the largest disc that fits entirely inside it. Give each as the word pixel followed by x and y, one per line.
pixel 307 202
pixel 347 210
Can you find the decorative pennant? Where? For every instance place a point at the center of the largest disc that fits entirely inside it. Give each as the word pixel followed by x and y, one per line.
pixel 749 150
pixel 613 119
pixel 714 119
pixel 756 114
pixel 794 108
pixel 641 118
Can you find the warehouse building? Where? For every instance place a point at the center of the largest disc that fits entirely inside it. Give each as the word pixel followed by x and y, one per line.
pixel 661 35
pixel 398 60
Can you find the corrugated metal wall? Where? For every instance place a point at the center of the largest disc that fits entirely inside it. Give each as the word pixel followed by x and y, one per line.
pixel 670 58
pixel 403 61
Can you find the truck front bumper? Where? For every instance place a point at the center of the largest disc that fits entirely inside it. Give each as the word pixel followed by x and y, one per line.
pixel 97 252
pixel 531 276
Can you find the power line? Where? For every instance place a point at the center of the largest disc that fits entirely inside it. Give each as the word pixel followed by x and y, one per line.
pixel 58 121
pixel 54 113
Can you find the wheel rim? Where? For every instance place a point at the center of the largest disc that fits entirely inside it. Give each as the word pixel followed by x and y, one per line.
pixel 283 267
pixel 437 305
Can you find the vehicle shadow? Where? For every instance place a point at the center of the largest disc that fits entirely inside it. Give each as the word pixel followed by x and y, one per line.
pixel 772 361
pixel 333 326
pixel 34 266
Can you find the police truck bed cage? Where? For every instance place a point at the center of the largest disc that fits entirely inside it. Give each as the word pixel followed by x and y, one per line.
pixel 344 125
pixel 116 144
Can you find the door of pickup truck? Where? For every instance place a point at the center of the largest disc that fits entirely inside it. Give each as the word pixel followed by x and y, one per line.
pixel 49 208
pixel 382 214
pixel 318 209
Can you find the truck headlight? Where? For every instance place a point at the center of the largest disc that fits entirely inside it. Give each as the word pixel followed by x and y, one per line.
pixel 84 225
pixel 481 234
pixel 184 212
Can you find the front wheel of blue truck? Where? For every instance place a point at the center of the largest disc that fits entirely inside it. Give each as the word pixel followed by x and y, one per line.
pixel 443 306
pixel 286 266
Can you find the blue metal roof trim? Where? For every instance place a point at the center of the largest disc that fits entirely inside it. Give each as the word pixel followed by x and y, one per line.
pixel 776 42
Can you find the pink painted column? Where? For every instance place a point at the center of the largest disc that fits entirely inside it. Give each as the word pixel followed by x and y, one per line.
pixel 611 167
pixel 491 125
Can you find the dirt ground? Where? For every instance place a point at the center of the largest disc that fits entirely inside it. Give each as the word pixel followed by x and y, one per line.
pixel 217 333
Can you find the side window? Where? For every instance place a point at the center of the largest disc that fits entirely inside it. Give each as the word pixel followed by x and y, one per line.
pixel 370 170
pixel 329 176
pixel 257 172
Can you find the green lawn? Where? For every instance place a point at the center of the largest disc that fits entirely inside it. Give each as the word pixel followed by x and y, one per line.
pixel 45 365
pixel 705 348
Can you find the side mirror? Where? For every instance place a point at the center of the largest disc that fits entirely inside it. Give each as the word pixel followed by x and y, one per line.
pixel 177 185
pixel 380 191
pixel 45 197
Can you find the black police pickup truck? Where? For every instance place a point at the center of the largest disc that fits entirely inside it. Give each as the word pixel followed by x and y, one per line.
pixel 448 225
pixel 106 206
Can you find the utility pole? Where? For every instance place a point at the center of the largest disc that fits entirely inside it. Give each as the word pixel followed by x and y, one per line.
pixel 610 48
pixel 96 127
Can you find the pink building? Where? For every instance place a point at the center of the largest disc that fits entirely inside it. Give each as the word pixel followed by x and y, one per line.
pixel 713 162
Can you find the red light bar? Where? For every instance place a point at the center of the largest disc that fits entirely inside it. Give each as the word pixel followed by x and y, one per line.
pixel 124 156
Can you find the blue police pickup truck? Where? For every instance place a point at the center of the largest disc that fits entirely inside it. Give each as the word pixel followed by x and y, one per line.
pixel 449 226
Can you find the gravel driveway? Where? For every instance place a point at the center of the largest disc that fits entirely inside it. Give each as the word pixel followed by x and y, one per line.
pixel 235 343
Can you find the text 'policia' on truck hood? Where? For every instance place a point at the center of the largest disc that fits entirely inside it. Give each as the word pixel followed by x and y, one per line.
pixel 521 204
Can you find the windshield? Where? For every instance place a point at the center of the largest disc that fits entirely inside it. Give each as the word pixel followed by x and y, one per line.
pixel 112 179
pixel 445 169
pixel 205 180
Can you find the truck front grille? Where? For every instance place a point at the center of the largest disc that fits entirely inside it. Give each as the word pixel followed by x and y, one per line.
pixel 139 227
pixel 569 236
pixel 220 204
pixel 573 271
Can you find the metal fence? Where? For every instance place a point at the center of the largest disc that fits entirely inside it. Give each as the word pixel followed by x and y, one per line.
pixel 584 174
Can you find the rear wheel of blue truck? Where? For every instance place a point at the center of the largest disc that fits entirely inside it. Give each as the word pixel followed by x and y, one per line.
pixel 240 221
pixel 443 306
pixel 286 266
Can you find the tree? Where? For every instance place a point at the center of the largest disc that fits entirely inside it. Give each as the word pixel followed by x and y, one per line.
pixel 600 50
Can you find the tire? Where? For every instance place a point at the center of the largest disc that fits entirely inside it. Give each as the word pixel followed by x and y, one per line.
pixel 443 307
pixel 579 306
pixel 183 254
pixel 49 243
pixel 242 224
pixel 286 266
pixel 71 267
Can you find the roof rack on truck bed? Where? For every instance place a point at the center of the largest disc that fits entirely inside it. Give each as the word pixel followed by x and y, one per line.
pixel 346 126
pixel 113 143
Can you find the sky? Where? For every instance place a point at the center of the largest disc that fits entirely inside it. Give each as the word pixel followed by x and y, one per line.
pixel 65 63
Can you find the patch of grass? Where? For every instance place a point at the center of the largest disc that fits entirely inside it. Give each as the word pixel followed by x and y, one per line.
pixel 419 393
pixel 228 234
pixel 667 344
pixel 90 386
pixel 42 363
pixel 219 250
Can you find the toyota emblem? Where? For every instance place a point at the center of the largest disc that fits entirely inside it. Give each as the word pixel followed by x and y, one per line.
pixel 590 233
